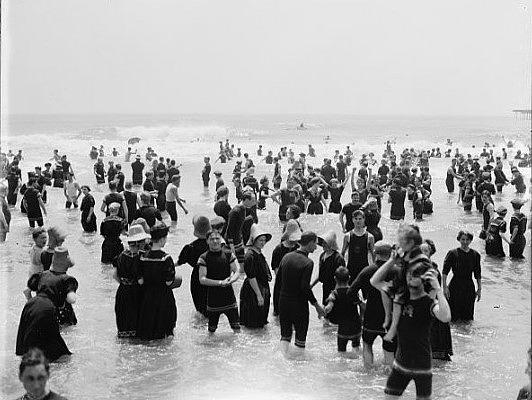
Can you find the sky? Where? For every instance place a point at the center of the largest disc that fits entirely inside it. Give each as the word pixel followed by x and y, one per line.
pixel 361 57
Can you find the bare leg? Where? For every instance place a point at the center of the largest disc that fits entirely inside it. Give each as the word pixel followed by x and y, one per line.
pixel 387 304
pixel 388 357
pixel 367 355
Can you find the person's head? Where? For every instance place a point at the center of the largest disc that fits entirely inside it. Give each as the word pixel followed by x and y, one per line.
pixel 415 273
pixel 39 236
pixel 218 174
pixel 264 181
pixel 428 247
pixel 486 197
pixel 128 185
pixel 258 237
pixel 315 183
pixel 217 223
pixel 136 238
pixel 214 240
pixel 47 165
pixel 248 199
pixel 206 160
pixel 334 182
pixel 112 186
pixel 328 241
pixel 85 189
pixel 176 179
pixel 361 183
pixel 201 225
pixel 359 220
pixel 114 208
pixel 355 197
pixel 465 238
pixel 293 212
pixel 308 241
pixel 501 211
pixel 408 236
pixel 145 198
pixel 34 372
pixel 56 237
pixel 341 276
pixel 517 204
pixel 222 192
pixel 159 233
pixel 382 250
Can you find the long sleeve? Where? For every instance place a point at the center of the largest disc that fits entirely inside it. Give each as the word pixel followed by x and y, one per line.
pixel 476 267
pixel 449 262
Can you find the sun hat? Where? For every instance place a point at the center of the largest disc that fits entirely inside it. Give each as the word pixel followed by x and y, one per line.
pixel 61 260
pixel 142 223
pixel 501 210
pixel 202 225
pixel 329 239
pixel 257 231
pixel 136 233
pixel 292 232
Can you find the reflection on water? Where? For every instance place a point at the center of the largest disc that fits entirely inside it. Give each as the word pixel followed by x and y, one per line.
pixel 489 355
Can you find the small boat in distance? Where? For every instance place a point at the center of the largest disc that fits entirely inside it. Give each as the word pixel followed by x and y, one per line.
pixel 301 127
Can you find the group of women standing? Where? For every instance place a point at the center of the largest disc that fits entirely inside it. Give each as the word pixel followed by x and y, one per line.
pixel 145 305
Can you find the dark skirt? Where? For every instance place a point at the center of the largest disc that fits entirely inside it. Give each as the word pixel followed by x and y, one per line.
pixel 335 207
pixel 517 248
pixel 251 315
pixel 158 313
pixel 66 315
pixel 199 292
pixel 440 340
pixel 111 248
pixel 88 226
pixel 315 208
pixel 494 247
pixel 127 304
pixel 462 299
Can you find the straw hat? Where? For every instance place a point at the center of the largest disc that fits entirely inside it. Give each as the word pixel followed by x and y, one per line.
pixel 202 225
pixel 256 232
pixel 61 260
pixel 292 232
pixel 329 239
pixel 136 233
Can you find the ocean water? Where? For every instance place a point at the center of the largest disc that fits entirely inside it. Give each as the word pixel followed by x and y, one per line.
pixel 490 353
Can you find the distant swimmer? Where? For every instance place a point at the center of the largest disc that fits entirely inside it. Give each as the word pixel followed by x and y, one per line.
pixel 301 127
pixel 449 142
